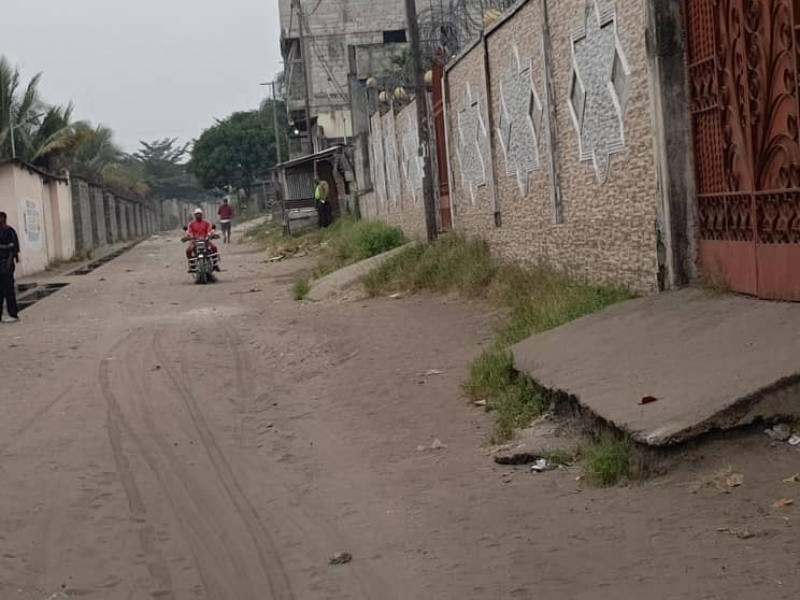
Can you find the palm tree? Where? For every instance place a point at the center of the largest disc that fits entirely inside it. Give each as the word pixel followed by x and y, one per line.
pixel 56 139
pixel 20 110
pixel 94 148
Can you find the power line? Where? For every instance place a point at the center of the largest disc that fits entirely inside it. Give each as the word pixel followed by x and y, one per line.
pixel 321 57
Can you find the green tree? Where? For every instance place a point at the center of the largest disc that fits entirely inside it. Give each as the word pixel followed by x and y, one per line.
pixel 128 176
pixel 238 150
pixel 164 165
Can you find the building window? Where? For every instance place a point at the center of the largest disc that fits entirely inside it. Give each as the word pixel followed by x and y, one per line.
pixel 395 36
pixel 293 49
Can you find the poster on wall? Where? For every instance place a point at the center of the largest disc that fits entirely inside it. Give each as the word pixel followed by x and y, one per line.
pixel 31 223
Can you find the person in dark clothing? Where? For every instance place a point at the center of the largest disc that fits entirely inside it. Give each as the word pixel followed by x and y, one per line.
pixel 9 257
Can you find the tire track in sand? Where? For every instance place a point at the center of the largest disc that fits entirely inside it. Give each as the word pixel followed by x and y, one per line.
pixel 156 565
pixel 310 525
pixel 31 421
pixel 268 555
pixel 198 520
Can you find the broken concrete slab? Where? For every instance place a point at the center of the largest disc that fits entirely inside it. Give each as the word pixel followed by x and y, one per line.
pixel 709 362
pixel 345 278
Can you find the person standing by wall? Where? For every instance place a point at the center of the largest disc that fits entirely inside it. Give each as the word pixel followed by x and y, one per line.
pixel 225 214
pixel 322 199
pixel 9 257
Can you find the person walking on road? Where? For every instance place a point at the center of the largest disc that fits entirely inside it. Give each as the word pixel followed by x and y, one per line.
pixel 9 257
pixel 225 214
pixel 322 200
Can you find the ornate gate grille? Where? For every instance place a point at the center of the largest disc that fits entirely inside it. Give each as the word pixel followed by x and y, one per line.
pixel 743 76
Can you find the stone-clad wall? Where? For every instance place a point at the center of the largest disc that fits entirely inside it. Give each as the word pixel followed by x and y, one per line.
pixel 551 142
pixel 473 193
pixel 574 162
pixel 397 172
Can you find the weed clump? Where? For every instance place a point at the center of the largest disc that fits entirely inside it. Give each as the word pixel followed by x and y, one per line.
pixel 530 300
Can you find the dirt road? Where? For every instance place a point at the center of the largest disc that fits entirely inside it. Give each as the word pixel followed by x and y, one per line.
pixel 161 440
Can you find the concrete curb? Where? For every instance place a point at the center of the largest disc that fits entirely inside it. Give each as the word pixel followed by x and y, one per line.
pixel 351 275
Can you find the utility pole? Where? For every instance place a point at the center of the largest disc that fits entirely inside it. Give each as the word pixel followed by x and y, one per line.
pixel 307 74
pixel 11 129
pixel 275 124
pixel 421 95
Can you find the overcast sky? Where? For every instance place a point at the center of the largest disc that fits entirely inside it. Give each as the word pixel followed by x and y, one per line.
pixel 146 68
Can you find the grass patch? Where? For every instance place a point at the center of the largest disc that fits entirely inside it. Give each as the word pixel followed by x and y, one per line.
pixel 264 234
pixel 608 461
pixel 346 242
pixel 300 289
pixel 562 458
pixel 530 300
pixel 453 263
pixel 516 406
pixel 490 373
pixel 349 241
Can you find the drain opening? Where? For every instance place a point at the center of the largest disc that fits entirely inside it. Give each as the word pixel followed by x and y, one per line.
pixel 31 293
pixel 96 264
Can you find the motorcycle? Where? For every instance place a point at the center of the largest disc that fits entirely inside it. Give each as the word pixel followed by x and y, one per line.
pixel 203 264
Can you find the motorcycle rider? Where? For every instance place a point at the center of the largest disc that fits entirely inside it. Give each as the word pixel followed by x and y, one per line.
pixel 198 229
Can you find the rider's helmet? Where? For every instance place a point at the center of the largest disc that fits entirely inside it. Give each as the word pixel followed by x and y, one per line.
pixel 198 211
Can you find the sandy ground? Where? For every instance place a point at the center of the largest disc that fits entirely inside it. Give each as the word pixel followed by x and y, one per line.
pixel 169 441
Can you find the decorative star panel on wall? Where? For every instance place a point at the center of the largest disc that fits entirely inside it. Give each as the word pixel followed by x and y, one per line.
pixel 412 161
pixel 520 121
pixel 393 184
pixel 471 138
pixel 378 161
pixel 599 87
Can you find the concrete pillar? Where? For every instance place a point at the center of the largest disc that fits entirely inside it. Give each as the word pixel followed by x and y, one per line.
pixel 130 220
pixel 82 214
pixel 122 215
pixel 98 215
pixel 119 209
pixel 110 212
pixel 139 220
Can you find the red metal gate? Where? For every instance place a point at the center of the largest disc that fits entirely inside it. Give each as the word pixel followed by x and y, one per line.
pixel 441 148
pixel 743 73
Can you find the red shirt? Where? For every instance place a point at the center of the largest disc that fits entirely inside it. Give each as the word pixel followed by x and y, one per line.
pixel 225 211
pixel 199 229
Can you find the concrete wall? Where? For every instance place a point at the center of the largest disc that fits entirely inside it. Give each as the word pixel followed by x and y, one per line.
pixel 26 202
pixel 122 219
pixel 82 214
pixel 171 217
pixel 98 215
pixel 110 214
pixel 474 191
pixel 55 217
pixel 63 246
pixel 551 143
pixel 335 26
pixel 396 172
